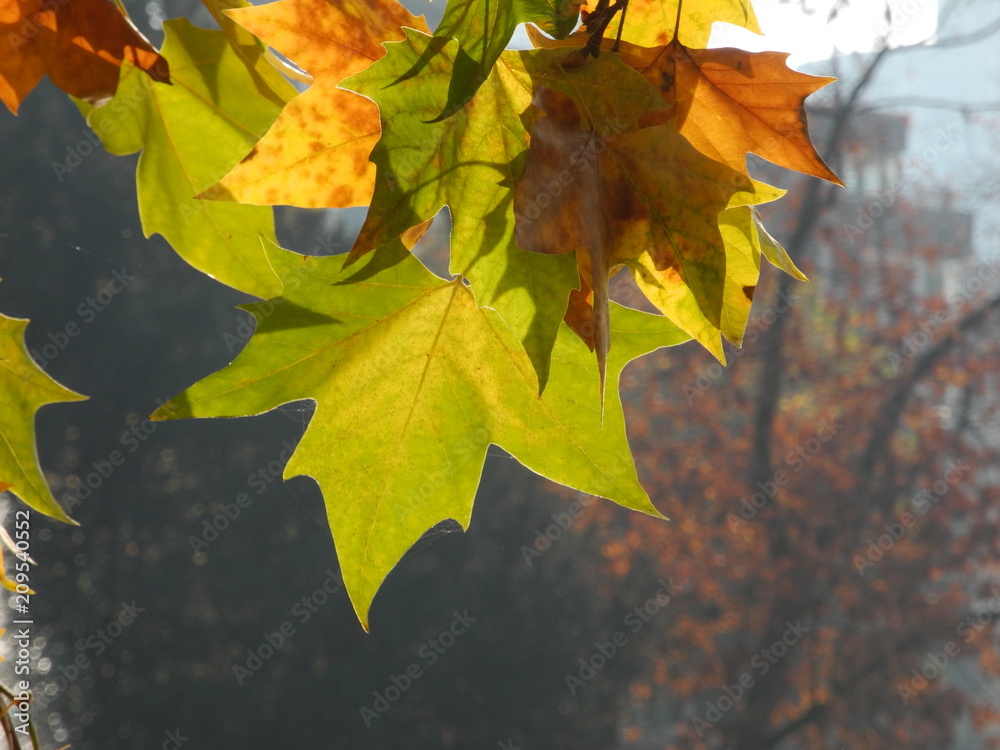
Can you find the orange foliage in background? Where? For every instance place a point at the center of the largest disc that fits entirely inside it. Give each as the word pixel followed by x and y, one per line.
pixel 825 594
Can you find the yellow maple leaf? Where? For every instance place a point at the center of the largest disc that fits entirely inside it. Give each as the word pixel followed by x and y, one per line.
pixel 651 22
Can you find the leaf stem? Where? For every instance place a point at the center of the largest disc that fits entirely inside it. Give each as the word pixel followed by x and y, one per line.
pixel 597 23
pixel 677 21
pixel 621 25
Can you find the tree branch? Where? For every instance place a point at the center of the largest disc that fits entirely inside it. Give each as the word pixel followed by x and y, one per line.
pixel 879 442
pixel 814 713
pixel 772 344
pixel 930 103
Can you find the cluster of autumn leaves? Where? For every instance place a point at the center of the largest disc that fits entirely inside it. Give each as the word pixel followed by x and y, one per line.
pixel 558 169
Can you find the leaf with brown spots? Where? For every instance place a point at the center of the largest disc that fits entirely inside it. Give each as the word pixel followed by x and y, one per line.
pixel 316 153
pixel 743 248
pixel 80 45
pixel 644 199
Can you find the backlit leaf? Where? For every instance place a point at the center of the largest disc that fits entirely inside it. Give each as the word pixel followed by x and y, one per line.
pixel 316 153
pixel 80 45
pixel 730 102
pixel 471 161
pixel 650 23
pixel 190 134
pixel 412 382
pixel 24 389
pixel 484 27
pixel 645 199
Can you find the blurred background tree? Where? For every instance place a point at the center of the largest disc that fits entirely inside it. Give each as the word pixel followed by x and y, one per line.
pixel 835 488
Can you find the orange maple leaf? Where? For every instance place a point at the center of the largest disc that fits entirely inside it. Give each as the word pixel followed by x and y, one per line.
pixel 730 102
pixel 80 44
pixel 316 153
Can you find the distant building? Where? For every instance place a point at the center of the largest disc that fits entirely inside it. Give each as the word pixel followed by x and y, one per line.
pixel 883 222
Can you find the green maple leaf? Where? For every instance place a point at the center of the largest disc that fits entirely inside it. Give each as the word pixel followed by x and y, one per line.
pixel 412 382
pixel 191 134
pixel 484 27
pixel 24 389
pixel 471 161
pixel 269 82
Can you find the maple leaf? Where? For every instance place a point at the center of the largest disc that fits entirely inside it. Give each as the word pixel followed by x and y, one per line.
pixel 412 382
pixel 470 162
pixel 24 389
pixel 772 250
pixel 484 27
pixel 79 45
pixel 190 134
pixel 263 68
pixel 316 153
pixel 645 199
pixel 730 102
pixel 745 242
pixel 650 23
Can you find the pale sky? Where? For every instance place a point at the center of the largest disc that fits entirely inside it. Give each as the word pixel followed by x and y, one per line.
pixel 802 27
pixel 811 36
